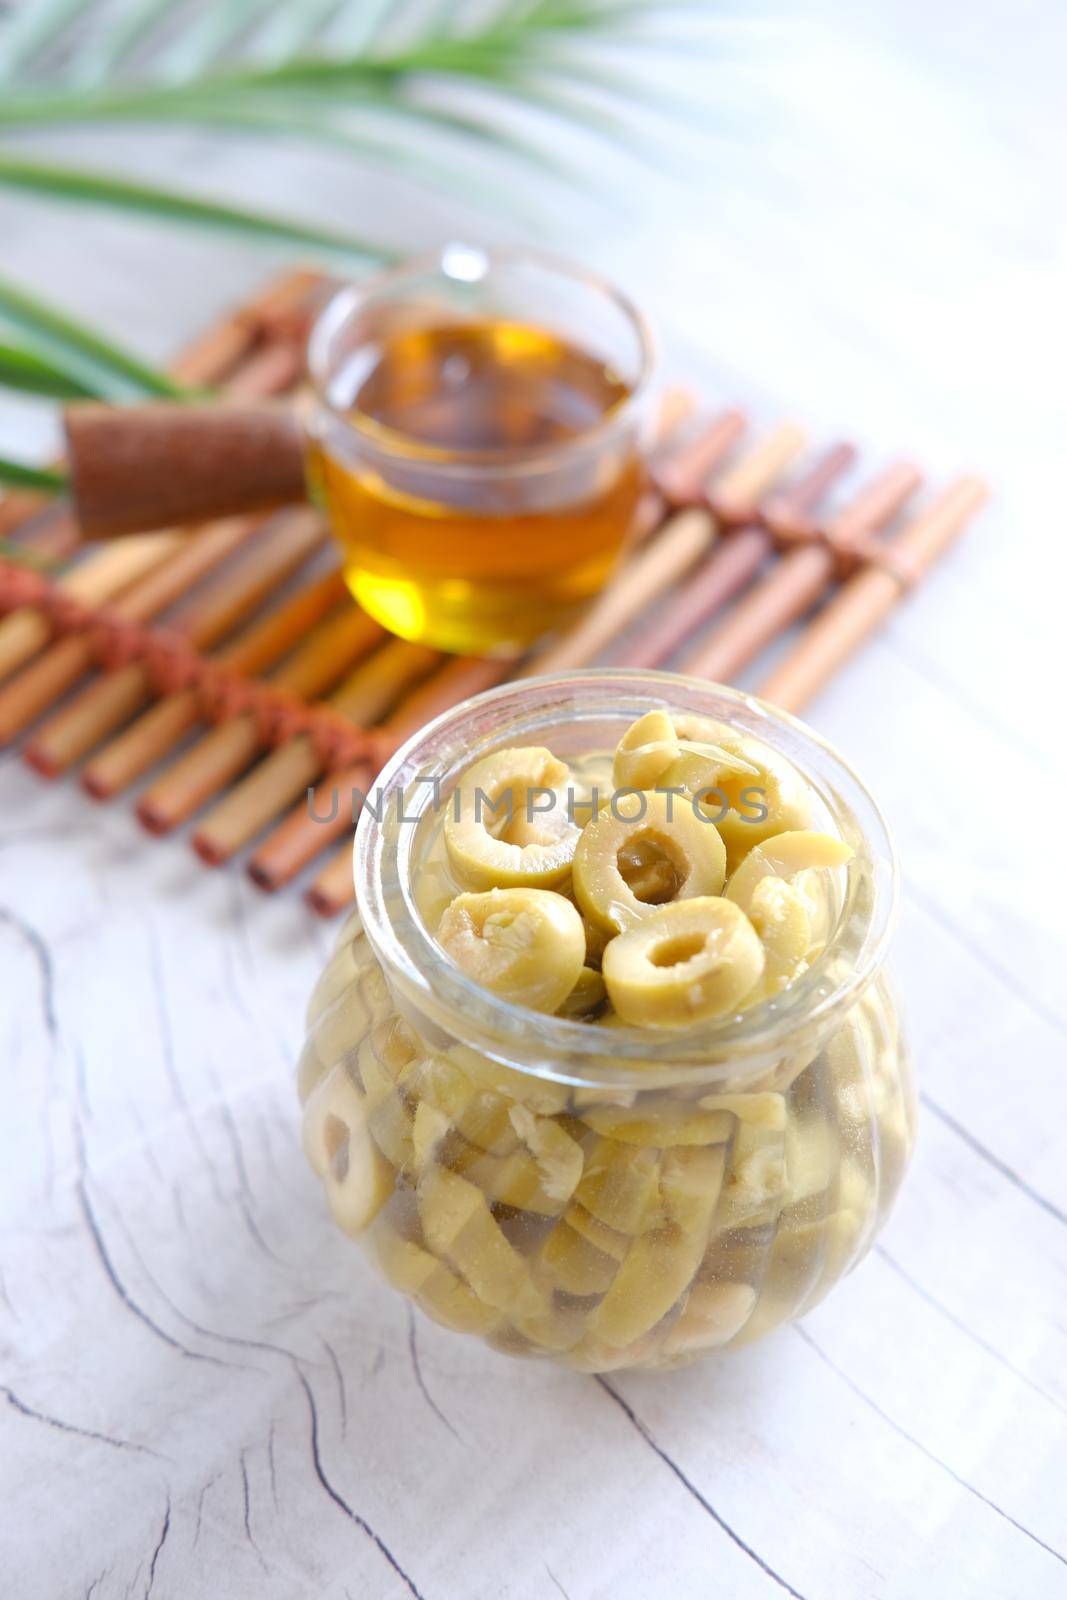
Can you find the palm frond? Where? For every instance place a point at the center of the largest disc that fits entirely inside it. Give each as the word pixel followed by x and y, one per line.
pixel 16 475
pixel 423 88
pixel 100 189
pixel 32 373
pixel 81 351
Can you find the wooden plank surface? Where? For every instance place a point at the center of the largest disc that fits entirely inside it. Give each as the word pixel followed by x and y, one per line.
pixel 206 1393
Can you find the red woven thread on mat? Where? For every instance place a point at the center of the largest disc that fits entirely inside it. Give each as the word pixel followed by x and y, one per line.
pixel 174 664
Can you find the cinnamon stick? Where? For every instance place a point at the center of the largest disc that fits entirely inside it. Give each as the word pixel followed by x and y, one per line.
pixel 153 735
pixel 231 747
pixel 206 361
pixel 112 699
pixel 315 823
pixel 371 690
pixel 864 602
pixel 797 580
pixel 732 564
pixel 153 466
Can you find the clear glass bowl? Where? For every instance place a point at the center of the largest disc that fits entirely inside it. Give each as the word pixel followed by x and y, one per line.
pixel 607 1197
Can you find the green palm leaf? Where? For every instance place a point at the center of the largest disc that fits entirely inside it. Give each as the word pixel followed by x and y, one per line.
pixel 16 475
pixel 97 188
pixel 31 373
pixel 421 87
pixel 81 350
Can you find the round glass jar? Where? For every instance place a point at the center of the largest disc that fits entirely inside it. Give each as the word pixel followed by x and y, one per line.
pixel 606 1196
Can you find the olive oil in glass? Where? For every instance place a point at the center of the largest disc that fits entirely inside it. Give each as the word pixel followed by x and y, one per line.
pixel 481 472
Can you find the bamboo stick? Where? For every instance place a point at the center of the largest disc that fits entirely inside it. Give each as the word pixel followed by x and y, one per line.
pixel 681 474
pixel 370 692
pixel 195 778
pixel 305 831
pixel 797 580
pixel 211 356
pixel 111 700
pixel 93 582
pixel 660 564
pixel 863 603
pixel 334 889
pixel 139 747
pixel 730 566
pixel 668 557
pixel 224 753
pixel 734 497
pixel 41 683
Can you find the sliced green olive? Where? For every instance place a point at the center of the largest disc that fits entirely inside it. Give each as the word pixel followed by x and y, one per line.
pixel 661 1262
pixel 357 1179
pixel 784 857
pixel 539 1176
pixel 644 752
pixel 461 1230
pixel 684 963
pixel 442 1295
pixel 714 1314
pixel 587 996
pixel 526 945
pixel 493 829
pixel 570 1263
pixel 648 871
pixel 769 797
pixel 780 917
pixel 691 846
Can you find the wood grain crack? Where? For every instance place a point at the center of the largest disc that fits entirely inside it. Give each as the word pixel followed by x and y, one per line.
pixel 556 1582
pixel 923 1449
pixel 42 958
pixel 980 953
pixel 160 1542
pixel 138 1311
pixel 342 1394
pixel 968 1332
pixel 247 1496
pixel 691 1487
pixel 204 1487
pixel 994 1160
pixel 413 1352
pixel 339 1500
pixel 72 1428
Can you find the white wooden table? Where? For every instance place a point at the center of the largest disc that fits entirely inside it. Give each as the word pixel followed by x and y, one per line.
pixel 208 1396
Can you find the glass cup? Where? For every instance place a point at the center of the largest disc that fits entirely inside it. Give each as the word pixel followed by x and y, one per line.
pixel 476 439
pixel 604 1196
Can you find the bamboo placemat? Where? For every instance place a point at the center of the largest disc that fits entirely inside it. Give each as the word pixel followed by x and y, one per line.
pixel 228 662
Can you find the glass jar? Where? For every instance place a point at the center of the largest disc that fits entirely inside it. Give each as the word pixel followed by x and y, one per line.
pixel 605 1196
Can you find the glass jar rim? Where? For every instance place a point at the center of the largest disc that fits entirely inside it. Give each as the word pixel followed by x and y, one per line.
pixel 618 1057
pixel 393 443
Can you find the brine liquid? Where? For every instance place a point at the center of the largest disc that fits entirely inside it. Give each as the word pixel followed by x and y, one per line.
pixel 482 556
